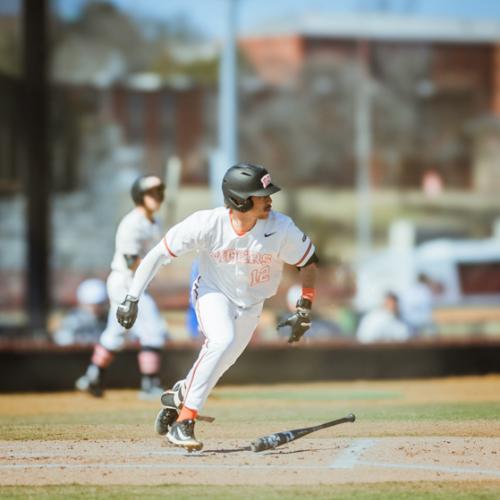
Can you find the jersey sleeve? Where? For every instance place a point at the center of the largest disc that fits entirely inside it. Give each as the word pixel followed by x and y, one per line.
pixel 297 248
pixel 185 236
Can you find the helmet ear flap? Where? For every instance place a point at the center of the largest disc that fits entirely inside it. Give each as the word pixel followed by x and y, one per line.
pixel 136 193
pixel 239 204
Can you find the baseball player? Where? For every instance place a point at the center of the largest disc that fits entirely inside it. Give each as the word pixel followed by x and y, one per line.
pixel 242 248
pixel 137 233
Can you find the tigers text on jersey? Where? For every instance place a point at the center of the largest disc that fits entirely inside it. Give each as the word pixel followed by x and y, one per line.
pixel 136 235
pixel 245 267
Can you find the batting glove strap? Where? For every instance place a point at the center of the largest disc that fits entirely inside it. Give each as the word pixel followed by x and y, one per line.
pixel 126 314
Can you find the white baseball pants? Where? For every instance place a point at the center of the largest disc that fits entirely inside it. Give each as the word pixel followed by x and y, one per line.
pixel 228 330
pixel 150 328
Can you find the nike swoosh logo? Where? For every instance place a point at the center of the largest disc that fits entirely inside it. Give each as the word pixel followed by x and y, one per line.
pixel 269 234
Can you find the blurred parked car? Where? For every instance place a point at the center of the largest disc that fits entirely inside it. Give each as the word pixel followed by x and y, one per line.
pixel 464 272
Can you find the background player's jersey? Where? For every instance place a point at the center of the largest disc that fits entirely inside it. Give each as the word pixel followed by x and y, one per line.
pixel 136 235
pixel 245 267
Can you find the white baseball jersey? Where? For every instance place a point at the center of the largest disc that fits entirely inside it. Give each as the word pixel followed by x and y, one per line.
pixel 136 235
pixel 245 267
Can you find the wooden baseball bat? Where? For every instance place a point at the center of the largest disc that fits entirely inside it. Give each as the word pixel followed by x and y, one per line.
pixel 274 440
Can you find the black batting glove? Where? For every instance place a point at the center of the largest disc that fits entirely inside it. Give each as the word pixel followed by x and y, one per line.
pixel 126 314
pixel 300 321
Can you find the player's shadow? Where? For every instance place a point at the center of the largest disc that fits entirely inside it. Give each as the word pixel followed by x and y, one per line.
pixel 264 453
pixel 229 450
pixel 288 452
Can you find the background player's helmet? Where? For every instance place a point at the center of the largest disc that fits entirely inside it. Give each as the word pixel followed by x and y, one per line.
pixel 243 181
pixel 143 184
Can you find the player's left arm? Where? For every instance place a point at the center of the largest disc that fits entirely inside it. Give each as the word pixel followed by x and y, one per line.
pixel 300 321
pixel 299 251
pixel 308 277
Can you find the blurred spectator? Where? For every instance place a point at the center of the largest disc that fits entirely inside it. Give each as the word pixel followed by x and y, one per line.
pixel 432 184
pixel 383 324
pixel 416 306
pixel 320 327
pixel 85 322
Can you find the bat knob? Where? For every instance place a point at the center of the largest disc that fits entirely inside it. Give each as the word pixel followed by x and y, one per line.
pixel 351 417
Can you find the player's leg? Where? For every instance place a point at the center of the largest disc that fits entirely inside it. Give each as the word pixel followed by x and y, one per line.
pixel 171 401
pixel 217 316
pixel 151 330
pixel 217 321
pixel 246 322
pixel 111 341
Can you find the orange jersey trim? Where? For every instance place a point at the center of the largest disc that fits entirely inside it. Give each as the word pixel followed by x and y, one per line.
pixel 201 356
pixel 304 256
pixel 239 233
pixel 168 249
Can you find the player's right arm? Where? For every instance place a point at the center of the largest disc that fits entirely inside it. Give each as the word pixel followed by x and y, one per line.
pixel 180 239
pixel 127 311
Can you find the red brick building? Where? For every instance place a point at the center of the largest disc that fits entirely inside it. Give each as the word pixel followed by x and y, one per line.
pixel 459 79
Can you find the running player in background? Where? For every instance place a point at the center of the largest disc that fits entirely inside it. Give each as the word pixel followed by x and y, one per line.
pixel 137 233
pixel 242 248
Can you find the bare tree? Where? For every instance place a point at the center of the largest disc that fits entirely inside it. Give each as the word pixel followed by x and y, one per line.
pixel 307 130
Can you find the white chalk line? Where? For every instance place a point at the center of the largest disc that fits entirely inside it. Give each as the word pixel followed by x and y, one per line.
pixel 350 456
pixel 66 454
pixel 434 468
pixel 159 466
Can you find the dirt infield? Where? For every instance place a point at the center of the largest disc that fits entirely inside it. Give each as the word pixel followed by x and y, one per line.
pixel 406 431
pixel 309 461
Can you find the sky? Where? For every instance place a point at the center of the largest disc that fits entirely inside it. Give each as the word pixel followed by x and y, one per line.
pixel 208 15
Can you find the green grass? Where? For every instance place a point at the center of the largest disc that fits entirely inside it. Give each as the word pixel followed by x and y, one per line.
pixel 413 490
pixel 98 425
pixel 310 395
pixel 138 423
pixel 306 415
pixel 452 412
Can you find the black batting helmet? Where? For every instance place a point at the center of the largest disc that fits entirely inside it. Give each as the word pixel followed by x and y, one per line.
pixel 244 180
pixel 143 184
